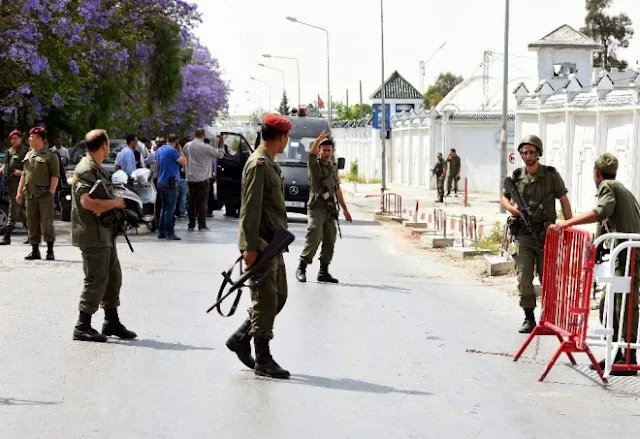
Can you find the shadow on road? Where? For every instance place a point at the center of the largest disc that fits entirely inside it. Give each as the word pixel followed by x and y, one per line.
pixel 389 288
pixel 13 401
pixel 349 385
pixel 160 345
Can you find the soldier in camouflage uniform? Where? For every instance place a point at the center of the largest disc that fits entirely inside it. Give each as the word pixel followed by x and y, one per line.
pixel 325 192
pixel 617 210
pixel 262 210
pixel 38 183
pixel 12 172
pixel 94 229
pixel 539 186
pixel 440 171
pixel 454 171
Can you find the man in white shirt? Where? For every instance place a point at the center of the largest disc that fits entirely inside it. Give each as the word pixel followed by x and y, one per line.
pixel 199 170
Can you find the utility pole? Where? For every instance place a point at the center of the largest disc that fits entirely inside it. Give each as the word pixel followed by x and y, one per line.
pixel 361 109
pixel 505 106
pixel 383 128
pixel 347 99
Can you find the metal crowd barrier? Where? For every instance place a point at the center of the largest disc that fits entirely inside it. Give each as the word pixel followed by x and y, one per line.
pixel 468 229
pixel 392 204
pixel 569 260
pixel 440 222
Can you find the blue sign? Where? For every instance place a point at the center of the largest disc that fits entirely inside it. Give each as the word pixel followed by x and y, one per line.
pixel 377 116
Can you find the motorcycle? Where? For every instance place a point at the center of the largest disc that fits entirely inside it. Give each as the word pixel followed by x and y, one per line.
pixel 141 184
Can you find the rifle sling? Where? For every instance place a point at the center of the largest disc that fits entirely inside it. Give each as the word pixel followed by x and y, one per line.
pixel 227 280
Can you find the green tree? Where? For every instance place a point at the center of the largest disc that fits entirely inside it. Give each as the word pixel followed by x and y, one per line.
pixel 612 31
pixel 352 112
pixel 312 111
pixel 437 92
pixel 284 108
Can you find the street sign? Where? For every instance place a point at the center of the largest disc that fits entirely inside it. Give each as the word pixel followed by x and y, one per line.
pixel 512 158
pixel 377 116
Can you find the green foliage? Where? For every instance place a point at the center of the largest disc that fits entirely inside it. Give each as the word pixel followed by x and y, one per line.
pixel 284 108
pixel 353 168
pixel 493 241
pixel 612 31
pixel 168 59
pixel 438 91
pixel 352 112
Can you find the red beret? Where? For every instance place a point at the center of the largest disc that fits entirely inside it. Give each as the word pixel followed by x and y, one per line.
pixel 277 122
pixel 40 131
pixel 15 133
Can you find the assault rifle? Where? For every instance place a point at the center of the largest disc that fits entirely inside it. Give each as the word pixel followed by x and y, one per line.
pixel 525 211
pixel 101 192
pixel 258 272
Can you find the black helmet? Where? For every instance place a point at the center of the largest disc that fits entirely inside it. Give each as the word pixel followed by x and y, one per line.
pixel 531 140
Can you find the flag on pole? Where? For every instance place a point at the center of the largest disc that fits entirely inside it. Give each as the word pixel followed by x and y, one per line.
pixel 320 103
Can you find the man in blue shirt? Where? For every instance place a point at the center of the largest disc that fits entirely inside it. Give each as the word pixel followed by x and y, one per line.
pixel 126 159
pixel 169 159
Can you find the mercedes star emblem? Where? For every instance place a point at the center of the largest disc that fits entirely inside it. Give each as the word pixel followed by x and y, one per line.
pixel 293 190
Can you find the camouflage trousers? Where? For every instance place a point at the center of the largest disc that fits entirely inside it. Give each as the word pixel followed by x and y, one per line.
pixel 321 229
pixel 530 260
pixel 40 219
pixel 102 279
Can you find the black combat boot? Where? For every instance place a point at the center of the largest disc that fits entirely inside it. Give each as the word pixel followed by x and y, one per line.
pixel 265 365
pixel 50 256
pixel 6 239
pixel 301 272
pixel 240 343
pixel 84 332
pixel 621 358
pixel 35 253
pixel 529 322
pixel 324 276
pixel 112 325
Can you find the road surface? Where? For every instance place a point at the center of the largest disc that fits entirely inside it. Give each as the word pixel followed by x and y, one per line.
pixel 394 351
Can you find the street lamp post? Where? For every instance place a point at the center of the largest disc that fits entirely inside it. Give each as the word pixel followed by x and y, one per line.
pixel 277 70
pixel 383 128
pixel 295 20
pixel 505 108
pixel 269 85
pixel 255 94
pixel 297 67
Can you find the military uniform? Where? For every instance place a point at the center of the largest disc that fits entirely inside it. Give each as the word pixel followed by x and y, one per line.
pixel 39 168
pixel 324 183
pixel 438 169
pixel 13 163
pixel 262 210
pixel 95 236
pixel 618 211
pixel 454 174
pixel 540 191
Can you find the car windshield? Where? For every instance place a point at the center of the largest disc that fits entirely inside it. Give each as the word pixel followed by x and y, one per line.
pixel 303 133
pixel 116 147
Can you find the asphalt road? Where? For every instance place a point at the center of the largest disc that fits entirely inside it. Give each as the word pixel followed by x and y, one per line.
pixel 392 352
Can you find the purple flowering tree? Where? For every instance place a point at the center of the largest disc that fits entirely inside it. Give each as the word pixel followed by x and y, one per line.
pixel 79 64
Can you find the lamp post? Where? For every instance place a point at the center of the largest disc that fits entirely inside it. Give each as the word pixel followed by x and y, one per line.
pixel 505 108
pixel 295 20
pixel 423 65
pixel 277 70
pixel 383 128
pixel 269 85
pixel 297 67
pixel 254 94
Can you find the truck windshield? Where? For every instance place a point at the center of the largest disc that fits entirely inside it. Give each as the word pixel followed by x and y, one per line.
pixel 303 133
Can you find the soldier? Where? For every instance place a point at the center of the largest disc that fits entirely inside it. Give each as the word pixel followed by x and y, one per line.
pixel 453 163
pixel 539 186
pixel 617 210
pixel 440 171
pixel 262 210
pixel 12 172
pixel 96 239
pixel 324 184
pixel 38 183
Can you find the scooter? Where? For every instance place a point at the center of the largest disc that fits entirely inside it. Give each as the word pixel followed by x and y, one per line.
pixel 141 184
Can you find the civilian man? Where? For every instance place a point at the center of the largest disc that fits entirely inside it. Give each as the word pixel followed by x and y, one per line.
pixel 169 159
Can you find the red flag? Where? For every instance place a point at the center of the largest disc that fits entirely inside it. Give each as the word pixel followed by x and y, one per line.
pixel 320 103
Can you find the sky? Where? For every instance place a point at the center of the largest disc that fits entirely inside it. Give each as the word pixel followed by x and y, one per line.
pixel 238 32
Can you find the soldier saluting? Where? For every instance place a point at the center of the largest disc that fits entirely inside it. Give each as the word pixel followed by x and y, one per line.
pixel 12 172
pixel 96 239
pixel 321 209
pixel 38 184
pixel 263 210
pixel 539 186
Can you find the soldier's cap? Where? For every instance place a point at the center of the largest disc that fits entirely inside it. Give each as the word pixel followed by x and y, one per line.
pixel 439 154
pixel 277 122
pixel 40 131
pixel 328 141
pixel 607 163
pixel 15 133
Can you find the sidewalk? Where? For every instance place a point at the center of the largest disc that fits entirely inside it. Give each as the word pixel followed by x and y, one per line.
pixel 484 207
